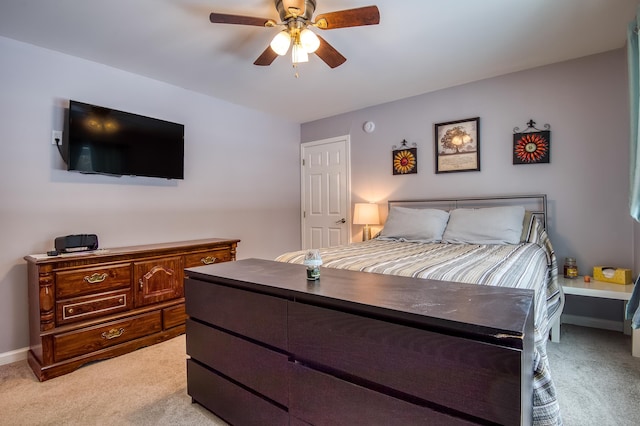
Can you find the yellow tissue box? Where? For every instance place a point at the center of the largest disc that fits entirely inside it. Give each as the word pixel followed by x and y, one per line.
pixel 609 274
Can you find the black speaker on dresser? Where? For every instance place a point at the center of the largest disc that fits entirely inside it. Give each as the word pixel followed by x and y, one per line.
pixel 78 242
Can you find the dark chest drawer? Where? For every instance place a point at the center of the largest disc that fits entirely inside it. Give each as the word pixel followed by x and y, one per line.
pixel 255 366
pixel 342 402
pixel 411 360
pixel 230 401
pixel 92 280
pixel 254 315
pixel 68 345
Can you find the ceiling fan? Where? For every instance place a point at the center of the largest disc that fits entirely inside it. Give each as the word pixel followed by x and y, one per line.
pixel 296 18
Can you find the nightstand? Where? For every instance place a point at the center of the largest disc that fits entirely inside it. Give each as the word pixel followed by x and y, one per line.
pixel 602 290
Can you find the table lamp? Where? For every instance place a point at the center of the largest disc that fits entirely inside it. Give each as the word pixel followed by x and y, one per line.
pixel 366 214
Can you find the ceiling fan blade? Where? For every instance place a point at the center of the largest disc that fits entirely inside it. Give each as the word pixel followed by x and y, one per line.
pixel 222 18
pixel 368 15
pixel 267 57
pixel 329 54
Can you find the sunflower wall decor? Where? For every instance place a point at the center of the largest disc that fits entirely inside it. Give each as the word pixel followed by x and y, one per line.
pixel 405 159
pixel 532 146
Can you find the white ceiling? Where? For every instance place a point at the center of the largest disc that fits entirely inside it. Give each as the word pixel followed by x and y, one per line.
pixel 419 45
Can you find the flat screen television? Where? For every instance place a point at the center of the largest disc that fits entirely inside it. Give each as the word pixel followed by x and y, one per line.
pixel 107 141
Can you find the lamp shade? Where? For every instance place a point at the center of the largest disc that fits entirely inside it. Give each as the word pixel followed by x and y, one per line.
pixel 366 214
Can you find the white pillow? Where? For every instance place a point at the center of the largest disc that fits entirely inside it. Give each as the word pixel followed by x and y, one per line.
pixel 491 225
pixel 423 225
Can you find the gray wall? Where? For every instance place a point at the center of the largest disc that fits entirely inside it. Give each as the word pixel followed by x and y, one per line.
pixel 587 181
pixel 241 172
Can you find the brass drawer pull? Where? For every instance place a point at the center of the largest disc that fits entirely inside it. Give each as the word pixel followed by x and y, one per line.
pixel 208 260
pixel 113 333
pixel 96 278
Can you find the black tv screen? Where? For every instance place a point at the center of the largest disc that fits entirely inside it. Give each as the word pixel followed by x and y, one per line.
pixel 107 141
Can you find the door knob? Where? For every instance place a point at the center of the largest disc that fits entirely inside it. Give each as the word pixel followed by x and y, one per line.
pixel 343 220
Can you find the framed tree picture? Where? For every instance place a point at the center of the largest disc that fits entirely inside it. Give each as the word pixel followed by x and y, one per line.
pixel 457 145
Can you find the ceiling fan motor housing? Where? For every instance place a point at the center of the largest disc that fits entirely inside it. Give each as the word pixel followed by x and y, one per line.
pixel 305 13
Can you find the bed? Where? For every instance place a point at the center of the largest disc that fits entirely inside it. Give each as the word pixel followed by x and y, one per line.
pixel 497 241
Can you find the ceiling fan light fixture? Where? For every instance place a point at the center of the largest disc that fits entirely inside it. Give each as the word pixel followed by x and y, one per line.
pixel 297 16
pixel 281 42
pixel 309 40
pixel 299 54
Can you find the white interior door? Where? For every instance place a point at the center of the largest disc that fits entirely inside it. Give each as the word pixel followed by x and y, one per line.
pixel 326 196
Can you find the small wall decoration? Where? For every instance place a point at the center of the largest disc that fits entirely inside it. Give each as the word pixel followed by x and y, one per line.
pixel 532 146
pixel 405 159
pixel 457 145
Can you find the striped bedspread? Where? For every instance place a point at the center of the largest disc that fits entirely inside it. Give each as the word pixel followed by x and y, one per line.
pixel 529 265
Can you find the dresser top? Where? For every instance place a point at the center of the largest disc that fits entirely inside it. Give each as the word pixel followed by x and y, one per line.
pixel 119 251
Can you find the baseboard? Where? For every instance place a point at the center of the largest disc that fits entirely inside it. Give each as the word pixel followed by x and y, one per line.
pixel 13 356
pixel 593 322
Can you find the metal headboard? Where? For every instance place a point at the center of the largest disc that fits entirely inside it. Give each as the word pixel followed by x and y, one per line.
pixel 534 203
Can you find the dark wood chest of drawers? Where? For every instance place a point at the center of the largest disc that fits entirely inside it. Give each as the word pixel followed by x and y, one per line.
pixel 268 347
pixel 94 305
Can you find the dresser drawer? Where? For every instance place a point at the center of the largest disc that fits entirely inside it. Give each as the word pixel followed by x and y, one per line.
pixel 254 315
pixel 92 280
pixel 229 401
pixel 207 257
pixel 319 399
pixel 173 316
pixel 87 307
pixel 79 342
pixel 257 367
pixel 411 360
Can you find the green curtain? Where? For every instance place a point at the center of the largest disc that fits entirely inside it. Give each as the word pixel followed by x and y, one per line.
pixel 634 93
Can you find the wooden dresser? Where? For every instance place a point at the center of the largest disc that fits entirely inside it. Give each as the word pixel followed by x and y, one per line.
pixel 92 305
pixel 268 347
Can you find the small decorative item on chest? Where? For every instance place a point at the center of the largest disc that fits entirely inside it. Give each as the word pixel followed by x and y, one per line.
pixel 313 261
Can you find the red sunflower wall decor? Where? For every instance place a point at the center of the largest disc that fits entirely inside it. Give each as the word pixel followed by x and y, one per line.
pixel 405 159
pixel 533 146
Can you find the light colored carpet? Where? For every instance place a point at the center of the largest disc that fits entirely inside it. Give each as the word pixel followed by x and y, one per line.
pixel 145 387
pixel 597 379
